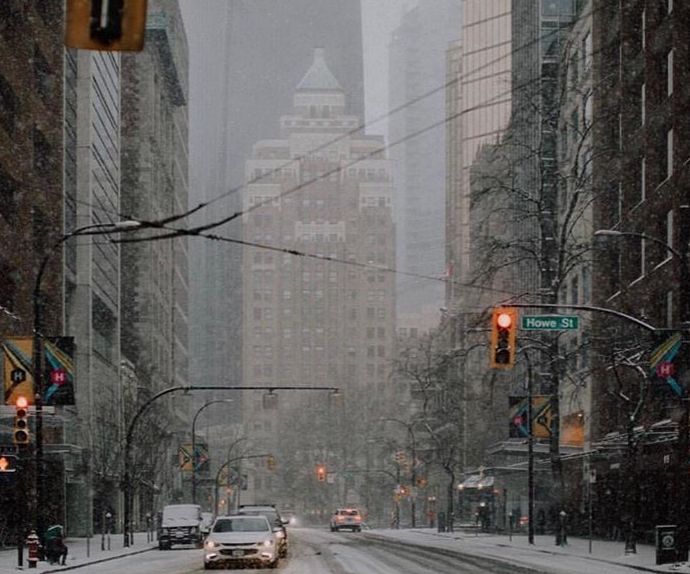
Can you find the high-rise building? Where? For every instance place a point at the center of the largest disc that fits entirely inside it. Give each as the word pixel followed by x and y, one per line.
pixel 479 107
pixel 416 98
pixel 267 45
pixel 32 219
pixel 154 277
pixel 308 320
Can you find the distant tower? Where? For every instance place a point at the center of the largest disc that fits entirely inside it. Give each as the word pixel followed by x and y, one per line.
pixel 417 67
pixel 310 321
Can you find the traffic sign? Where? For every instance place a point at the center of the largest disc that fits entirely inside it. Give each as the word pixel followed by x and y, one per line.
pixel 17 376
pixel 550 322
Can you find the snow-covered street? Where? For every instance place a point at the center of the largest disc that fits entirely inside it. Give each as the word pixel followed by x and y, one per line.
pixel 419 551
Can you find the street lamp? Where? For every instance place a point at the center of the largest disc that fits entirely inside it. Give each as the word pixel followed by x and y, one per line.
pixel 37 350
pixel 413 466
pixel 127 485
pixel 683 465
pixel 194 457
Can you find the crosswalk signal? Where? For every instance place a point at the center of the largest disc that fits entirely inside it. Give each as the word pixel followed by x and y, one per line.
pixel 320 473
pixel 20 432
pixel 112 25
pixel 503 336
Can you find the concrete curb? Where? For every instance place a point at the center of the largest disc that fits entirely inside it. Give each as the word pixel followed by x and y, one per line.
pixel 99 561
pixel 459 552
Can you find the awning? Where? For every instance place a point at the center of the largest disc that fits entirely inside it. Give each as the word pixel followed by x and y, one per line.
pixel 477 481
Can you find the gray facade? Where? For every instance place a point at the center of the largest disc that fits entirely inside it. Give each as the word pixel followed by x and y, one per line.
pixel 416 67
pixel 155 275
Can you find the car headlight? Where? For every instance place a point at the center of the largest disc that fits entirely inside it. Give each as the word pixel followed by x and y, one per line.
pixel 268 542
pixel 280 534
pixel 210 544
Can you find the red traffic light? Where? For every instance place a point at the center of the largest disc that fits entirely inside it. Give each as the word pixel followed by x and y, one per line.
pixel 321 472
pixel 20 432
pixel 504 320
pixel 8 463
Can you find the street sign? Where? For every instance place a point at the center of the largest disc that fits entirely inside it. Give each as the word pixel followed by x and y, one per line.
pixel 550 322
pixel 17 376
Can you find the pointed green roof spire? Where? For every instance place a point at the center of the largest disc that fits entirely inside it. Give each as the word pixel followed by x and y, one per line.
pixel 319 77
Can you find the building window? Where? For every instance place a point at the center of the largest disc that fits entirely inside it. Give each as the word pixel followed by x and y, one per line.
pixel 643 179
pixel 669 309
pixel 669 153
pixel 643 256
pixel 669 72
pixel 669 231
pixel 643 103
pixel 575 291
pixel 587 51
pixel 643 30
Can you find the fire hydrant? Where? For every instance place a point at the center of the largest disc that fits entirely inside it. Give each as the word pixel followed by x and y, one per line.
pixel 33 543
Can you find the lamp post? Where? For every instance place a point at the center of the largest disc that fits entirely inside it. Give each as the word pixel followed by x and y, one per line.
pixel 194 457
pixel 127 485
pixel 37 352
pixel 224 466
pixel 683 464
pixel 413 466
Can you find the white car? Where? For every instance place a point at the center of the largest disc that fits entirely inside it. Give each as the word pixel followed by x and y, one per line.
pixel 240 541
pixel 346 518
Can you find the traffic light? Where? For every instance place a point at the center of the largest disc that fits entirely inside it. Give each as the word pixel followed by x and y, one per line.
pixel 20 433
pixel 8 463
pixel 503 335
pixel 321 473
pixel 113 25
pixel 271 463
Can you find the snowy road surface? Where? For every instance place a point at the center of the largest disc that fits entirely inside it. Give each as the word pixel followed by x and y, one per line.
pixel 315 552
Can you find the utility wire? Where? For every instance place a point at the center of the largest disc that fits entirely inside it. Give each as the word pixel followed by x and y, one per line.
pixel 361 127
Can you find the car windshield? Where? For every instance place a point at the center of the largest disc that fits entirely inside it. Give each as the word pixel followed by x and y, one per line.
pixel 348 512
pixel 241 525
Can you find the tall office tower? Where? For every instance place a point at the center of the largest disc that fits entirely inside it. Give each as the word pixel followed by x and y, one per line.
pixel 267 45
pixel 270 43
pixel 31 210
pixel 416 68
pixel 479 108
pixel 155 292
pixel 309 321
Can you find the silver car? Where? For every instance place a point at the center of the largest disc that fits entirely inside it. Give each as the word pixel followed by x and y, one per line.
pixel 240 541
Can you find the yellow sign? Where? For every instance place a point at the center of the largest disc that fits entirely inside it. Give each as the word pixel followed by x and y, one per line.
pixel 17 372
pixel 185 457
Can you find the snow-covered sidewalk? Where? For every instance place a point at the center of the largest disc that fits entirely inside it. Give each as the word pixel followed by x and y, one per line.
pixel 81 552
pixel 605 558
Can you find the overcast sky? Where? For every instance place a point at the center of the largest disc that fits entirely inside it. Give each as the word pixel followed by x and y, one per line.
pixel 379 19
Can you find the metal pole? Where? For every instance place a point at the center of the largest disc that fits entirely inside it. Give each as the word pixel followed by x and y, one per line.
pixel 413 478
pixel 589 495
pixel 127 480
pixel 194 457
pixel 530 454
pixel 397 497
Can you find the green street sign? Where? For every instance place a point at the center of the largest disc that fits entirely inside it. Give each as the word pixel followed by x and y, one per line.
pixel 550 322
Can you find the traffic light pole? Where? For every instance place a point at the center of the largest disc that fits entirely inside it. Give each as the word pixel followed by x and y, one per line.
pixel 38 505
pixel 127 483
pixel 224 466
pixel 194 457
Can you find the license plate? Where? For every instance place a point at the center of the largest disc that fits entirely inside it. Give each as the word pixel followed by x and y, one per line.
pixel 238 552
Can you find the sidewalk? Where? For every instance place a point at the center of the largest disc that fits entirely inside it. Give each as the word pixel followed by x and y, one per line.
pixel 78 551
pixel 606 557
